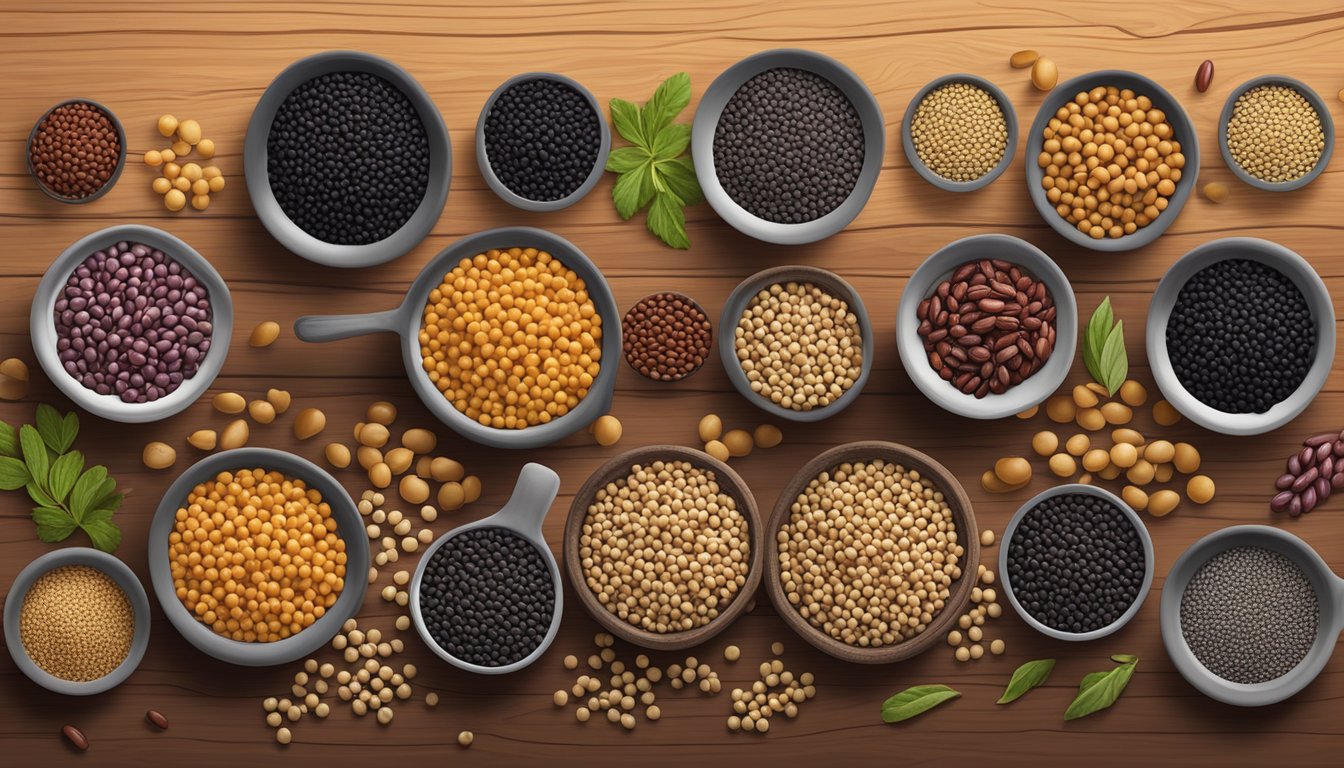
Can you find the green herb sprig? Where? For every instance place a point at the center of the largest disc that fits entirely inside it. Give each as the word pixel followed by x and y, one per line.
pixel 38 459
pixel 1104 348
pixel 915 701
pixel 1026 677
pixel 1099 690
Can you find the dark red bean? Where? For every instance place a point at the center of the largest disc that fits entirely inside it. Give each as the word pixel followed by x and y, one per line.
pixel 157 718
pixel 1294 466
pixel 76 737
pixel 1285 481
pixel 1321 439
pixel 1295 506
pixel 1308 499
pixel 1305 479
pixel 1281 500
pixel 1322 487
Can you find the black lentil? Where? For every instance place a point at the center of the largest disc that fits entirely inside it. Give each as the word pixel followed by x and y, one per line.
pixel 487 597
pixel 542 138
pixel 1076 563
pixel 788 146
pixel 1241 337
pixel 348 158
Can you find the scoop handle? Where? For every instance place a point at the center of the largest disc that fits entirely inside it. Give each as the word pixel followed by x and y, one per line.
pixel 536 488
pixel 319 328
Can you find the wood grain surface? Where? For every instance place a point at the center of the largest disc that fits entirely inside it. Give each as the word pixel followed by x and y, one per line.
pixel 211 62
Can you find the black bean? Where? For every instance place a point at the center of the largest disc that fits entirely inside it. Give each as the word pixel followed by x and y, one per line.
pixel 541 139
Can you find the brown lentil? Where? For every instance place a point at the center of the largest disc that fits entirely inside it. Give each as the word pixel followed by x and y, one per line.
pixel 1275 134
pixel 75 151
pixel 76 623
pixel 959 131
pixel 666 336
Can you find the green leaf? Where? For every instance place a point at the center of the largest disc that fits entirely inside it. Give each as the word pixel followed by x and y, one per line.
pixel 104 491
pixel 9 440
pixel 1095 337
pixel 1114 362
pixel 84 494
pixel 49 427
pixel 678 176
pixel 671 141
pixel 626 159
pixel 64 472
pixel 34 453
pixel 668 221
pixel 627 192
pixel 1123 658
pixel 1026 677
pixel 1100 690
pixel 13 474
pixel 1090 679
pixel 625 117
pixel 668 100
pixel 915 701
pixel 53 524
pixel 104 533
pixel 69 430
pixel 40 496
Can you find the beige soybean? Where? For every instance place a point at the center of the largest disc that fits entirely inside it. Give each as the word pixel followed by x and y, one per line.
pixel 419 440
pixel 157 455
pixel 381 412
pixel 1063 465
pixel 767 436
pixel 959 131
pixel 234 435
pixel 1163 502
pixel 203 439
pixel 1135 497
pixel 309 423
pixel 709 428
pixel 1078 445
pixel 265 334
pixel 261 411
pixel 1045 443
pixel 279 399
pixel 738 442
pixel 229 402
pixel 1165 414
pixel 1186 458
pixel 1013 470
pixel 1275 134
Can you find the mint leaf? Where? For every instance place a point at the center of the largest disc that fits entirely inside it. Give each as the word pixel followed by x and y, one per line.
pixel 104 534
pixel 34 453
pixel 64 472
pixel 679 177
pixel 53 524
pixel 627 191
pixel 84 494
pixel 625 117
pixel 671 141
pixel 915 701
pixel 13 474
pixel 626 159
pixel 9 440
pixel 668 221
pixel 670 98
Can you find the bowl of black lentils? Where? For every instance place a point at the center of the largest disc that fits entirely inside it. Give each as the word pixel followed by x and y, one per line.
pixel 1076 562
pixel 347 159
pixel 131 323
pixel 1241 335
pixel 541 141
pixel 1250 615
pixel 787 145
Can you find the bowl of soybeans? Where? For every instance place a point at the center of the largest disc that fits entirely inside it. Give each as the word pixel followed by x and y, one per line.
pixel 1275 133
pixel 959 132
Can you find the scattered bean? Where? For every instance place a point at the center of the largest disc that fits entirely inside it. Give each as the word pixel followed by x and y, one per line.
pixel 203 439
pixel 234 435
pixel 309 423
pixel 229 402
pixel 265 334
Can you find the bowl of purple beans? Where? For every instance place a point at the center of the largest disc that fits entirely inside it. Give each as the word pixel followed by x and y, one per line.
pixel 131 323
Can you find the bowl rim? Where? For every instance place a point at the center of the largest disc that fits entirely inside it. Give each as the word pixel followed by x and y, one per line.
pixel 706 121
pixel 116 172
pixel 927 173
pixel 114 569
pixel 1149 564
pixel 267 208
pixel 1317 103
pixel 968 536
pixel 513 198
pixel 42 325
pixel 350 528
pixel 1288 263
pixel 828 281
pixel 709 355
pixel 729 482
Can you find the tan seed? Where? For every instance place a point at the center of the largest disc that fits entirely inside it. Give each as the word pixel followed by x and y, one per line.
pixel 229 402
pixel 337 455
pixel 203 439
pixel 279 399
pixel 367 457
pixel 718 450
pixel 309 423
pixel 234 435
pixel 399 459
pixel 767 436
pixel 1044 74
pixel 265 334
pixel 380 475
pixel 261 411
pixel 1165 413
pixel 413 489
pixel 738 442
pixel 374 435
pixel 159 455
pixel 710 428
pixel 1023 59
pixel 451 496
pixel 1013 470
pixel 419 440
pixel 382 412
pixel 1060 409
pixel 1163 503
pixel 444 469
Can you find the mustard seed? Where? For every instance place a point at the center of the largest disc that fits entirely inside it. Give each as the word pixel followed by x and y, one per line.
pixel 76 623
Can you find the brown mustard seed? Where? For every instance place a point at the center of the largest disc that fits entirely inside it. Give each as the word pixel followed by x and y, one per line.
pixel 666 336
pixel 75 151
pixel 76 623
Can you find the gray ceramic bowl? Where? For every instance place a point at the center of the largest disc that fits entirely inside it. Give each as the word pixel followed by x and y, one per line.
pixel 1329 593
pixel 405 320
pixel 1148 561
pixel 116 172
pixel 350 527
pixel 737 304
pixel 1184 132
pixel 523 514
pixel 941 182
pixel 1327 124
pixel 1318 301
pixel 513 198
pixel 938 268
pixel 707 120
pixel 114 569
pixel 42 324
pixel 258 182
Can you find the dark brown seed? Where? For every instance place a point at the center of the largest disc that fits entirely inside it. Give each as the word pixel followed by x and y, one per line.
pixel 992 306
pixel 1204 76
pixel 75 737
pixel 978 354
pixel 983 325
pixel 157 718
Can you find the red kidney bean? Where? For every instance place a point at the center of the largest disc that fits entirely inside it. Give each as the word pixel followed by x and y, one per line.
pixel 1323 488
pixel 1314 472
pixel 1321 439
pixel 1280 501
pixel 76 737
pixel 1305 479
pixel 156 717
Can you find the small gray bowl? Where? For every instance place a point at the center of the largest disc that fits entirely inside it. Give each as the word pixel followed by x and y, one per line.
pixel 1300 271
pixel 273 217
pixel 1183 131
pixel 523 514
pixel 42 324
pixel 938 268
pixel 1329 593
pixel 737 304
pixel 405 320
pixel 927 173
pixel 1317 103
pixel 116 172
pixel 1149 563
pixel 707 121
pixel 515 199
pixel 115 570
pixel 350 527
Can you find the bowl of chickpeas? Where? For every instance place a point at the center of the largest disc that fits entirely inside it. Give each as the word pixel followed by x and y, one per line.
pixel 257 556
pixel 511 337
pixel 1111 160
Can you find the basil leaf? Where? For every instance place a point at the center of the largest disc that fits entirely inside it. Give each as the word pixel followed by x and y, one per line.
pixel 1095 338
pixel 671 141
pixel 49 426
pixel 1090 679
pixel 1114 361
pixel 9 440
pixel 671 97
pixel 64 472
pixel 104 534
pixel 34 453
pixel 13 474
pixel 678 176
pixel 1098 693
pixel 1026 677
pixel 915 701
pixel 628 123
pixel 667 221
pixel 1123 658
pixel 625 159
pixel 53 524
pixel 628 191
pixel 83 495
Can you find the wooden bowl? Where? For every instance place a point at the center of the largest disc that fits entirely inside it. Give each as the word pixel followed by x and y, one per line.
pixel 967 535
pixel 729 482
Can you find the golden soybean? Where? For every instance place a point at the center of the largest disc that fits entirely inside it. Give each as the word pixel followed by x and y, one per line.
pixel 1078 445
pixel 1163 503
pixel 1200 489
pixel 1134 497
pixel 767 436
pixel 309 423
pixel 159 455
pixel 1133 394
pixel 203 439
pixel 1116 413
pixel 1186 458
pixel 1060 409
pixel 1045 443
pixel 738 442
pixel 234 435
pixel 1165 414
pixel 1013 470
pixel 1063 465
pixel 710 428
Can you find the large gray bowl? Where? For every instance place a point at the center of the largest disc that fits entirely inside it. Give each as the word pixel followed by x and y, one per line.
pixel 515 199
pixel 405 320
pixel 1317 103
pixel 1300 271
pixel 927 173
pixel 42 324
pixel 737 304
pixel 1184 132
pixel 707 121
pixel 116 172
pixel 349 525
pixel 114 569
pixel 258 180
pixel 938 268
pixel 1329 594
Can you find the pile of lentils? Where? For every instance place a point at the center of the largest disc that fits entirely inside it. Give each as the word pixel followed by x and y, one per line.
pixel 1241 337
pixel 1275 134
pixel 348 158
pixel 666 336
pixel 788 146
pixel 75 151
pixel 487 597
pixel 1076 563
pixel 959 131
pixel 541 139
pixel 133 323
pixel 76 623
pixel 1249 615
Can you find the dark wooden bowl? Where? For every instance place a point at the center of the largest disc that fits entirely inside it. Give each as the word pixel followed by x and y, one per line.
pixel 729 482
pixel 967 535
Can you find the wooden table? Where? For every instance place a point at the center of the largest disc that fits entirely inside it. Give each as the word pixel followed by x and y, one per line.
pixel 212 61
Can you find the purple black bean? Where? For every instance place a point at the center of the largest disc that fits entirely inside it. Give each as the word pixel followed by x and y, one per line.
pixel 1312 475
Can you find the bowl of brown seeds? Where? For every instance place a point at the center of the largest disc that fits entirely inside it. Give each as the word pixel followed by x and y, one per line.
pixel 1275 133
pixel 959 132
